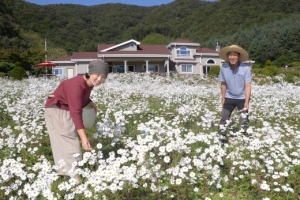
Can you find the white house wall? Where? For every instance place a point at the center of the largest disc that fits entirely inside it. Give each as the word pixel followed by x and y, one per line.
pixel 216 59
pixel 64 67
pixel 139 66
pixel 177 47
pixel 195 68
pixel 82 67
pixel 197 60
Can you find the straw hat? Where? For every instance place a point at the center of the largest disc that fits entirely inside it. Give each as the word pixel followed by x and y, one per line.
pixel 243 53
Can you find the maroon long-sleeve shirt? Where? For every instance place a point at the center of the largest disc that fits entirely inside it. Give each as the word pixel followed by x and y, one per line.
pixel 72 94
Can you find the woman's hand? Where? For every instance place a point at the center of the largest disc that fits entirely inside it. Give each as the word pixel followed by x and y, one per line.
pixel 94 106
pixel 84 140
pixel 86 144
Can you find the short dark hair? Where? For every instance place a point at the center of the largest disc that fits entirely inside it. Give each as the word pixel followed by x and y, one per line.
pixel 87 76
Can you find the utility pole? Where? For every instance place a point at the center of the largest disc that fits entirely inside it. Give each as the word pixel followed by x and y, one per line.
pixel 46 50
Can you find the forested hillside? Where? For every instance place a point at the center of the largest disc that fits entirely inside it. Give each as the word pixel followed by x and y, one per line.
pixel 268 29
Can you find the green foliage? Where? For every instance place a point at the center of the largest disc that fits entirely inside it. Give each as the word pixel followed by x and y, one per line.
pixel 275 80
pixel 267 42
pixel 289 78
pixel 18 64
pixel 266 71
pixel 268 63
pixel 285 59
pixel 18 73
pixel 257 65
pixel 291 70
pixel 2 74
pixel 289 75
pixel 6 67
pixel 257 71
pixel 269 71
pixel 295 64
pixel 265 31
pixel 214 71
pixel 155 38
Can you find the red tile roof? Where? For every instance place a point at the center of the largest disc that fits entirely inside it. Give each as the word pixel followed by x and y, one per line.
pixel 183 41
pixel 142 49
pixel 84 55
pixel 67 58
pixel 104 46
pixel 205 50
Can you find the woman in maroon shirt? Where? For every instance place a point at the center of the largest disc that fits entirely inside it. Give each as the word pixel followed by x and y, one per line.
pixel 63 115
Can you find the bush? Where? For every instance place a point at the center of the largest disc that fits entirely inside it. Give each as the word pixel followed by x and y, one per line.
pixel 286 58
pixel 18 73
pixel 289 78
pixel 268 63
pixel 214 71
pixel 257 71
pixel 2 74
pixel 289 71
pixel 269 71
pixel 257 65
pixel 6 67
pixel 295 64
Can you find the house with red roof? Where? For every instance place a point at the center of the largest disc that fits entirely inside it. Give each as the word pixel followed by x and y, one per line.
pixel 181 56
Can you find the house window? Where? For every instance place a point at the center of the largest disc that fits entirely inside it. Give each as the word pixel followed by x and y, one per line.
pixel 210 61
pixel 120 69
pixel 183 52
pixel 187 68
pixel 58 71
pixel 131 68
pixel 152 68
pixel 207 68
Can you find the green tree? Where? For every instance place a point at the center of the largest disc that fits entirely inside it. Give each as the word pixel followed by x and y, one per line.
pixel 6 67
pixel 155 38
pixel 214 71
pixel 18 73
pixel 268 63
pixel 286 58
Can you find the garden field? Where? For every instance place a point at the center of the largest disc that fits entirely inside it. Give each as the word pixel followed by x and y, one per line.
pixel 155 138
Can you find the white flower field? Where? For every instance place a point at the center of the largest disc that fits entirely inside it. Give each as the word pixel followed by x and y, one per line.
pixel 155 138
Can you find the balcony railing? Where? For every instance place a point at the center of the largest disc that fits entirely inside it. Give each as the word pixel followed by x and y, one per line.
pixel 184 56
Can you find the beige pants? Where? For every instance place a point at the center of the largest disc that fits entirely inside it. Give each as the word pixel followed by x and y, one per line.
pixel 63 137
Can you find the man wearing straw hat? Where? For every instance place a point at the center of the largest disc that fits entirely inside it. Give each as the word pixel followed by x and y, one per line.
pixel 235 78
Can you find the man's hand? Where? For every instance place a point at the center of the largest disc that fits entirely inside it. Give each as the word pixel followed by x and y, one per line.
pixel 223 92
pixel 246 106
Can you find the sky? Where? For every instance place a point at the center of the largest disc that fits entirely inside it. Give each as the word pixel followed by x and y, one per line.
pixel 97 2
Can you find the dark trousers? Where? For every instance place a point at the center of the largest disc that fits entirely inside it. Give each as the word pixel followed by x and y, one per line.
pixel 229 106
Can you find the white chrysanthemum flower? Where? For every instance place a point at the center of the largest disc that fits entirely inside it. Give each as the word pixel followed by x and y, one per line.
pixel 99 146
pixel 265 186
pixel 166 159
pixel 88 194
pixel 169 148
pixel 178 181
